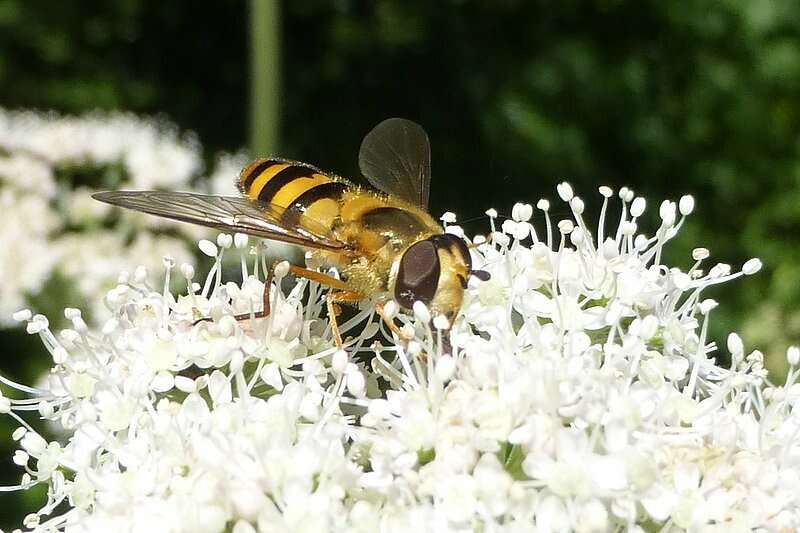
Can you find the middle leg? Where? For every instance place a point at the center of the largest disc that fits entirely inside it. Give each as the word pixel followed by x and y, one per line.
pixel 300 272
pixel 334 297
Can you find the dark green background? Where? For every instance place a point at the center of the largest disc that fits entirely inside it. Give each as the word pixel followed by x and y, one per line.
pixel 668 97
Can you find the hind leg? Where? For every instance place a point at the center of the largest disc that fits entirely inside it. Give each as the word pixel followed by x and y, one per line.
pixel 300 272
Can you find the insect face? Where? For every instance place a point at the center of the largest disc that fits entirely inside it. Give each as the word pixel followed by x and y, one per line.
pixel 433 271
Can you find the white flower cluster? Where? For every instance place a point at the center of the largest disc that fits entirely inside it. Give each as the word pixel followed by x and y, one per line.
pixel 52 226
pixel 576 391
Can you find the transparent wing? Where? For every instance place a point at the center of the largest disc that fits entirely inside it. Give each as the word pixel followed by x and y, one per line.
pixel 228 213
pixel 395 157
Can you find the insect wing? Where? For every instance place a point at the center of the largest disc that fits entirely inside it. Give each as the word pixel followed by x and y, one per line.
pixel 225 213
pixel 395 157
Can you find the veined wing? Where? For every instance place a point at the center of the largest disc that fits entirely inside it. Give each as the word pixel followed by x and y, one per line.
pixel 229 213
pixel 395 157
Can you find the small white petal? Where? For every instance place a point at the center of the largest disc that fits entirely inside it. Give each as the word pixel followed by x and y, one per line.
pixel 445 368
pixel 638 206
pixel 628 228
pixel 140 274
pixel 271 375
pixel 224 240
pixel 390 309
pixel 163 382
pixel 339 361
pixel 241 526
pixel 207 247
pixel 356 383
pixel 667 213
pixel 707 305
pixel 22 315
pixel 282 269
pixel 735 345
pixel 187 270
pixel 185 384
pixel 686 205
pixel 793 355
pixel 522 212
pixel 379 408
pixel 440 322
pixel 752 266
pixel 240 240
pixel 219 388
pixel 20 458
pixel 421 312
pixel 577 205
pixel 564 191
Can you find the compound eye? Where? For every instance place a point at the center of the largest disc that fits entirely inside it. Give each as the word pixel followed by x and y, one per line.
pixel 418 276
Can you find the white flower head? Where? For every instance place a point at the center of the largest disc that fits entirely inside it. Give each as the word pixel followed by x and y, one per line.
pixel 575 391
pixel 78 243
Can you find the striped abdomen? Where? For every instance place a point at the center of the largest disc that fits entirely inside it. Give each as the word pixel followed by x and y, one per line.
pixel 297 187
pixel 363 219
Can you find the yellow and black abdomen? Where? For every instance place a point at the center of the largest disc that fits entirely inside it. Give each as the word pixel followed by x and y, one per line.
pixel 299 188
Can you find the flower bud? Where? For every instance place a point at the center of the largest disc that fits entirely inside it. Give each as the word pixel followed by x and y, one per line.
pixel 440 322
pixel 751 266
pixel 522 212
pixel 224 240
pixel 793 355
pixel 565 191
pixel 240 240
pixel 638 206
pixel 448 218
pixel 686 205
pixel 339 361
pixel 577 205
pixel 421 312
pixel 22 315
pixel 207 247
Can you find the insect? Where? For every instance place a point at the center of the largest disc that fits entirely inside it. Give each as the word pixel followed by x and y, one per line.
pixel 381 239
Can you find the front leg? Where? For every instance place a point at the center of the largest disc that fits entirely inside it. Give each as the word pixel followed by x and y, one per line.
pixel 390 323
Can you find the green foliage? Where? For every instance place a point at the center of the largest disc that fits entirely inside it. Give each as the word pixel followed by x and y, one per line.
pixel 667 97
pixel 511 457
pixel 138 55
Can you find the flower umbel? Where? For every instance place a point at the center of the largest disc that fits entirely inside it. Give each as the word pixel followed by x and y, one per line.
pixel 576 391
pixel 49 167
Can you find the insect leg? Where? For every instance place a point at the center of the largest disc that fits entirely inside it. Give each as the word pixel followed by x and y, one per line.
pixel 389 322
pixel 265 309
pixel 300 272
pixel 319 277
pixel 332 299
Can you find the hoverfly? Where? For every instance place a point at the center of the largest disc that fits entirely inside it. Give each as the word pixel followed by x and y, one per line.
pixel 382 240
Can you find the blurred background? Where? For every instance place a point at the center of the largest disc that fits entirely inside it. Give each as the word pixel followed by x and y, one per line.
pixel 666 97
